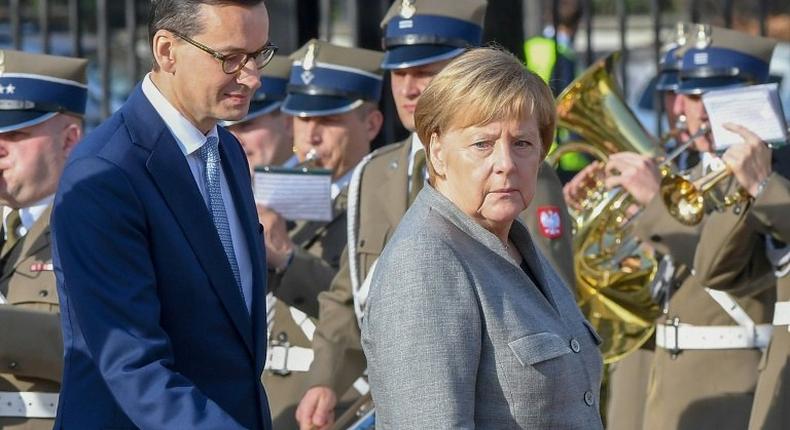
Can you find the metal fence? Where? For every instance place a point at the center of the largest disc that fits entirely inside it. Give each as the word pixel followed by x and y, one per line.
pixel 113 34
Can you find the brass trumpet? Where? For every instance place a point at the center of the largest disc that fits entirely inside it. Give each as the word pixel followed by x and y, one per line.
pixel 686 200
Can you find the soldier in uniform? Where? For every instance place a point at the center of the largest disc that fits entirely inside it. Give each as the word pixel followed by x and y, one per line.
pixel 421 37
pixel 705 366
pixel 266 134
pixel 628 377
pixel 42 101
pixel 332 95
pixel 751 242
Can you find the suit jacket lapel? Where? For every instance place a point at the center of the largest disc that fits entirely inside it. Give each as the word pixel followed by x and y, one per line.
pixel 170 172
pixel 237 174
pixel 34 241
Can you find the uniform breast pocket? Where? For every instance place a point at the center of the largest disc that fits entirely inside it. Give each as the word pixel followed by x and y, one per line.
pixel 33 286
pixel 370 244
pixel 538 347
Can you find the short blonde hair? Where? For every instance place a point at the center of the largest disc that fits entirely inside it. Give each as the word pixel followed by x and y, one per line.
pixel 479 87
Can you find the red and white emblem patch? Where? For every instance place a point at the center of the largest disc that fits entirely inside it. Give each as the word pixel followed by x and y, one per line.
pixel 41 267
pixel 550 221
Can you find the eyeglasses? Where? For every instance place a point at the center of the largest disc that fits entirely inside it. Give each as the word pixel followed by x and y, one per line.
pixel 232 63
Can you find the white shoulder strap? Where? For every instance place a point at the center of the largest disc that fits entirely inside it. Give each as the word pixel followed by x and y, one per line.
pixel 733 309
pixel 352 218
pixel 779 256
pixel 304 322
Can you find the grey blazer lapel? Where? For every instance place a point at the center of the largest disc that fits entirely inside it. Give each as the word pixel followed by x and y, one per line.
pixel 536 262
pixel 518 233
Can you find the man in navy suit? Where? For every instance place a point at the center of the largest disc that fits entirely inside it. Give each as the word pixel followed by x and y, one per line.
pixel 157 250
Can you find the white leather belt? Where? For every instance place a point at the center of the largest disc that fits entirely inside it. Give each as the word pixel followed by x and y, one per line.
pixel 28 404
pixel 284 359
pixel 782 313
pixel 686 336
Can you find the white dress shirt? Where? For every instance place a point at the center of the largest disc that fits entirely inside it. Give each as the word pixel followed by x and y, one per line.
pixel 28 216
pixel 341 184
pixel 189 140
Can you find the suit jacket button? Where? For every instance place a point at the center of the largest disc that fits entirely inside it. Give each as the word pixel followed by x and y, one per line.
pixel 588 398
pixel 575 347
pixel 13 365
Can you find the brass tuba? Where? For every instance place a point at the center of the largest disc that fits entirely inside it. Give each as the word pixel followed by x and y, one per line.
pixel 613 290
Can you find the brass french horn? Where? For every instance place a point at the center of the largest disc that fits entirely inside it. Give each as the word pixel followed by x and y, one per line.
pixel 613 294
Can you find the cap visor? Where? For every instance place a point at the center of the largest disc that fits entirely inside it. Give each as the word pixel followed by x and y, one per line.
pixel 303 105
pixel 405 56
pixel 11 120
pixel 667 81
pixel 700 85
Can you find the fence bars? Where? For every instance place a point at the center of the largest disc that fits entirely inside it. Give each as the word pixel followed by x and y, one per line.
pixel 319 23
pixel 103 54
pixel 75 27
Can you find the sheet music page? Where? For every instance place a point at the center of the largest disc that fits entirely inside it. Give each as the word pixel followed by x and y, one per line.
pixel 755 107
pixel 296 194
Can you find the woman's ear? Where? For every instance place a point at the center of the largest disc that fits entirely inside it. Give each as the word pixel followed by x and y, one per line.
pixel 437 155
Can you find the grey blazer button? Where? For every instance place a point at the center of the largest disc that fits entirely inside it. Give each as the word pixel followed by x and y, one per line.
pixel 575 347
pixel 588 398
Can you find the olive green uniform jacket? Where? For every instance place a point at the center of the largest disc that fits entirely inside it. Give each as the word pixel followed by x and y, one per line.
pixel 31 345
pixel 699 389
pixel 383 195
pixel 733 246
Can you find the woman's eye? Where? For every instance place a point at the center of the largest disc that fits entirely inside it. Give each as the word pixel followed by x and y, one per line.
pixel 523 144
pixel 481 145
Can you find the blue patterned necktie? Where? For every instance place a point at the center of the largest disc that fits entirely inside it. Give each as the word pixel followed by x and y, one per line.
pixel 209 153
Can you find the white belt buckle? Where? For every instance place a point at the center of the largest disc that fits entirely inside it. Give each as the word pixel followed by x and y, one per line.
pixel 277 361
pixel 28 404
pixel 782 313
pixel 674 350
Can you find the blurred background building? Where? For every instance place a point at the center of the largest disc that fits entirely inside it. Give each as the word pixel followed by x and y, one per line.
pixel 113 35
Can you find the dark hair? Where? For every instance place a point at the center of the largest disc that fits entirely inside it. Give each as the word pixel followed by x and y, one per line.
pixel 182 15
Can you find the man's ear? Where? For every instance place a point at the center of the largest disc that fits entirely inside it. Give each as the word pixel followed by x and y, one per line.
pixel 163 46
pixel 373 123
pixel 436 155
pixel 71 136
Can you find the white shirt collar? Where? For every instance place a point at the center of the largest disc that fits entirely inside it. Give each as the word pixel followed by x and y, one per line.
pixel 340 184
pixel 188 137
pixel 416 145
pixel 29 215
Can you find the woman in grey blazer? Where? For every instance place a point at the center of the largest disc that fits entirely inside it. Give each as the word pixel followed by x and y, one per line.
pixel 467 325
